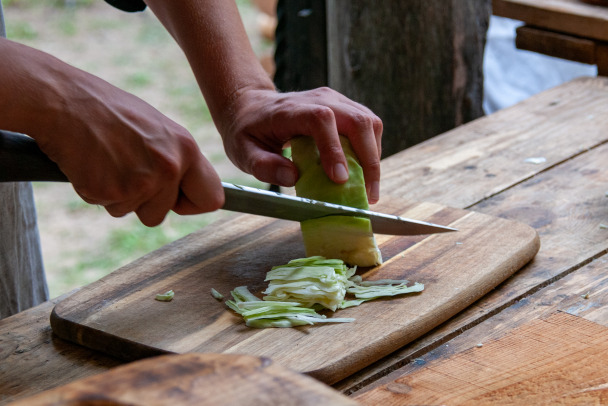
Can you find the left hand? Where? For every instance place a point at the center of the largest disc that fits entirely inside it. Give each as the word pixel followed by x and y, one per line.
pixel 263 121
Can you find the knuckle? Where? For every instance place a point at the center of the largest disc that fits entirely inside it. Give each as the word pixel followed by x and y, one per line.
pixel 363 122
pixel 170 169
pixel 141 185
pixel 334 149
pixel 321 115
pixel 377 125
pixel 374 166
pixel 323 91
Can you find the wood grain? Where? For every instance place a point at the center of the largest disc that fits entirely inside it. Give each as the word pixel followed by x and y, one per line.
pixel 569 16
pixel 566 205
pixel 194 379
pixel 119 316
pixel 485 157
pixel 33 360
pixel 583 293
pixel 556 44
pixel 416 64
pixel 544 362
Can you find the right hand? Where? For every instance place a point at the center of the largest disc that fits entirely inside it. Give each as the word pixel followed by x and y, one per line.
pixel 121 153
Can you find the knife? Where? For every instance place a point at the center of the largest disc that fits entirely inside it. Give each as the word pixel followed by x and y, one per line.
pixel 22 160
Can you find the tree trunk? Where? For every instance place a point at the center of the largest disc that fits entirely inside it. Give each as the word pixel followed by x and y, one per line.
pixel 417 64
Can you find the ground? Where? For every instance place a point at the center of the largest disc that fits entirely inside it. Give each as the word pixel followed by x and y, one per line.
pixel 80 242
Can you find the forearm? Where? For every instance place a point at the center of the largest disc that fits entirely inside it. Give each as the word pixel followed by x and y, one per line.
pixel 212 36
pixel 30 89
pixel 116 150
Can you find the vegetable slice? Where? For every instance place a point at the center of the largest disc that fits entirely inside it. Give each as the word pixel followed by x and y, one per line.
pixel 216 295
pixel 348 238
pixel 263 314
pixel 299 288
pixel 310 281
pixel 165 297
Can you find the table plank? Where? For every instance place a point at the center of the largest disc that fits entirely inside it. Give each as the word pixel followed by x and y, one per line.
pixel 583 293
pixel 485 157
pixel 194 379
pixel 568 16
pixel 33 360
pixel 566 205
pixel 547 361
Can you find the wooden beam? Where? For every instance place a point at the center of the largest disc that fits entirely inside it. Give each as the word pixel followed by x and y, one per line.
pixel 556 44
pixel 567 16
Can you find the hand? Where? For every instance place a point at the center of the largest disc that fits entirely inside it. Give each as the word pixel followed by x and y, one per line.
pixel 263 121
pixel 121 153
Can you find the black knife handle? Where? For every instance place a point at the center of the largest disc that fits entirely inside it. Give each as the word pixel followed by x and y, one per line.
pixel 21 160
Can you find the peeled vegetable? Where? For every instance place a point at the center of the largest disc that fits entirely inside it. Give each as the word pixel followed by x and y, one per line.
pixel 348 238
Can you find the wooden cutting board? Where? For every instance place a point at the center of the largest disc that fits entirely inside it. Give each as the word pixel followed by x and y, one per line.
pixel 118 314
pixel 559 360
pixel 194 379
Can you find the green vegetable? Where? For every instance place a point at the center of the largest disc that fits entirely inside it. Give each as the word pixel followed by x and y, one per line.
pixel 262 314
pixel 309 281
pixel 165 297
pixel 376 291
pixel 217 295
pixel 302 286
pixel 348 238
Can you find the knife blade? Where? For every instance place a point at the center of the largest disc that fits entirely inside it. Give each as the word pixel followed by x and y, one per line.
pixel 267 203
pixel 22 160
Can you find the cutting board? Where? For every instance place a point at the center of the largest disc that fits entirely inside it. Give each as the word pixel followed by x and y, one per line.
pixel 118 314
pixel 194 379
pixel 559 360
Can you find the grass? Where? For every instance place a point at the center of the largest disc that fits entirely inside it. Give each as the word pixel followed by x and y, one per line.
pixel 82 243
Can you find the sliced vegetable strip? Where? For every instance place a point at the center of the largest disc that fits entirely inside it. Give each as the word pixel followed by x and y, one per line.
pixel 300 288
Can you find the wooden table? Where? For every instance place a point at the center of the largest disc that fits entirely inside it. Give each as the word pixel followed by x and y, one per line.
pixel 568 29
pixel 481 166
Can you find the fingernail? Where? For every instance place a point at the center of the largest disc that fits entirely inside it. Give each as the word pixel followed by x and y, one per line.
pixel 340 173
pixel 285 176
pixel 374 192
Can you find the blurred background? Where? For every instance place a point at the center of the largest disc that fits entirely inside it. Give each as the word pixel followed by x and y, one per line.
pixel 80 242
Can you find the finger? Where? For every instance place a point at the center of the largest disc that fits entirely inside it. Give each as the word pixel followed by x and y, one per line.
pixel 274 169
pixel 364 132
pixel 319 122
pixel 339 103
pixel 153 211
pixel 117 210
pixel 267 164
pixel 200 190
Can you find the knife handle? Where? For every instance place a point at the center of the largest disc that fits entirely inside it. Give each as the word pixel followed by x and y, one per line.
pixel 22 160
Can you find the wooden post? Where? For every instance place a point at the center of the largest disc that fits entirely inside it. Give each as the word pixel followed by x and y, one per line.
pixel 416 63
pixel 301 45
